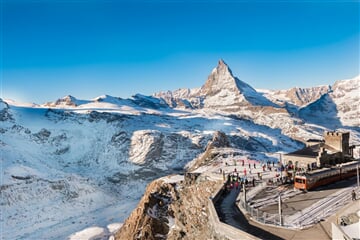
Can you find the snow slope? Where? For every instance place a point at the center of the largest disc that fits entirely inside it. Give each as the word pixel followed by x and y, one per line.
pixel 340 107
pixel 66 169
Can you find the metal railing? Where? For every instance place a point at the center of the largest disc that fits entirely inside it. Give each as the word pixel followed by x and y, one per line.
pixel 261 216
pixel 301 219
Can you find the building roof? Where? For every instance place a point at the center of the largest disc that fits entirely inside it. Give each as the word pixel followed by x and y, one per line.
pixel 314 140
pixel 313 151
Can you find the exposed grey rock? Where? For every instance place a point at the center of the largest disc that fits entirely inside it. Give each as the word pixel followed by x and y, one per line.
pixel 43 135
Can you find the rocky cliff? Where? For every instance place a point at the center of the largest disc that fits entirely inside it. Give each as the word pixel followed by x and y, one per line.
pixel 171 210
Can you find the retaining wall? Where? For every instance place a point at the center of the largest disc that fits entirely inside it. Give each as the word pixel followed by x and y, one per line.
pixel 221 229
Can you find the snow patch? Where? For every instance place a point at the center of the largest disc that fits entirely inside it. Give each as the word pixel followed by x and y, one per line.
pixel 89 233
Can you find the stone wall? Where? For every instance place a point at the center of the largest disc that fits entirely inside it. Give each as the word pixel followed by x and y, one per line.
pixel 338 140
pixel 222 230
pixel 303 161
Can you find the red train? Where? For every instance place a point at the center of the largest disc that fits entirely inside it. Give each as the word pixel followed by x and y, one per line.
pixel 325 176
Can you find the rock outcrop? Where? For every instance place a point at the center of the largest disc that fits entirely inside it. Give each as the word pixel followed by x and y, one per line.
pixel 171 211
pixel 4 111
pixel 219 140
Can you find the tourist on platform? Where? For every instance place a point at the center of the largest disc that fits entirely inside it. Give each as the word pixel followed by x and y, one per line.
pixel 353 195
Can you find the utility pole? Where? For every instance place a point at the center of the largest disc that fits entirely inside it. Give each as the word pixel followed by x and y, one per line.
pixel 280 167
pixel 244 189
pixel 357 173
pixel 280 210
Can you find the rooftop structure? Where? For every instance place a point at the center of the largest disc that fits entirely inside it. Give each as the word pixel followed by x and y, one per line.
pixel 333 149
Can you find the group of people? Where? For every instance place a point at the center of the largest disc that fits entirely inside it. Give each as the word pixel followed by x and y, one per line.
pixel 235 181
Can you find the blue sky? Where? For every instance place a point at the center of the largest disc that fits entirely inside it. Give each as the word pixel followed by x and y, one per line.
pixel 88 48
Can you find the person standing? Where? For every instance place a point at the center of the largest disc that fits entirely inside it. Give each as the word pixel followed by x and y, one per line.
pixel 353 195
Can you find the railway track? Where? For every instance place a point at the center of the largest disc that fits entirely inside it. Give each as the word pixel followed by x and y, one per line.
pixel 320 210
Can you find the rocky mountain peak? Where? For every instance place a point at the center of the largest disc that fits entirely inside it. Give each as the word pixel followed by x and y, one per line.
pixel 223 68
pixel 68 100
pixel 223 90
pixel 221 77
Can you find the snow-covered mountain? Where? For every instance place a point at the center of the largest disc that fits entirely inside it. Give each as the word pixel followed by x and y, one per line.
pixel 76 163
pixel 296 96
pixel 221 91
pixel 339 107
pixel 224 91
pixel 64 170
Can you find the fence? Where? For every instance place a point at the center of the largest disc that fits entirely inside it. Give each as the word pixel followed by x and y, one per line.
pixel 260 216
pixel 311 215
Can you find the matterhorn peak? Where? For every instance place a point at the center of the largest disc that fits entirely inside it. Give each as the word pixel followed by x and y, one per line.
pixel 222 89
pixel 222 69
pixel 220 78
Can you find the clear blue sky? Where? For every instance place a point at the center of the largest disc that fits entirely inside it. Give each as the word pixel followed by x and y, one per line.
pixel 88 48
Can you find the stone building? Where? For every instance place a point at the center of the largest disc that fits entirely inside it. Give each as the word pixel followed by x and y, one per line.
pixel 332 150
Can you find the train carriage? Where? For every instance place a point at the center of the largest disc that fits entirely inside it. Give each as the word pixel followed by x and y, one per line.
pixel 325 176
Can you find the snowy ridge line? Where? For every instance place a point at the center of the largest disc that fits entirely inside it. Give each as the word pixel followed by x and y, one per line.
pixel 319 210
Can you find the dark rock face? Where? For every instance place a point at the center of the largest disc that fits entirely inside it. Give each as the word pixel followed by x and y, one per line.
pixel 4 112
pixel 219 140
pixel 166 204
pixel 149 102
pixel 42 135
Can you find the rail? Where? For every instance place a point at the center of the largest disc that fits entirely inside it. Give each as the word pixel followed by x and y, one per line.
pixel 302 219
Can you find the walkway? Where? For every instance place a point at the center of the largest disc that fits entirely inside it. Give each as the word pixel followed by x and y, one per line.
pixel 230 214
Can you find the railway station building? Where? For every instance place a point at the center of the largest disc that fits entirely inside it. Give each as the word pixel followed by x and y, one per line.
pixel 333 149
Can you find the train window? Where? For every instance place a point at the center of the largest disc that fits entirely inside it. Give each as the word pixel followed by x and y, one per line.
pixel 299 180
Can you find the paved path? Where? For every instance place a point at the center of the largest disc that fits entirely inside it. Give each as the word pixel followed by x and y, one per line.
pixel 230 214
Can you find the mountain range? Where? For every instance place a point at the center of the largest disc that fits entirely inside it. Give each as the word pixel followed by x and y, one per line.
pixel 73 163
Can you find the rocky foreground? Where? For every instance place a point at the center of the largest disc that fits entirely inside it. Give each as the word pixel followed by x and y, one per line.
pixel 172 210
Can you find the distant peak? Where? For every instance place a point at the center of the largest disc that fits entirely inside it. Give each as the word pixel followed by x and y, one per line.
pixel 220 78
pixel 221 62
pixel 222 68
pixel 69 98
